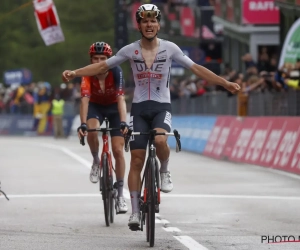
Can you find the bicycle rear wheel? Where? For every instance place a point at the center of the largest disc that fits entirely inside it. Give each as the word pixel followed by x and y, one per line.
pixel 105 188
pixel 111 198
pixel 151 202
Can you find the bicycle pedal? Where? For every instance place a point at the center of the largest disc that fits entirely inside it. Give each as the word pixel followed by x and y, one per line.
pixel 135 228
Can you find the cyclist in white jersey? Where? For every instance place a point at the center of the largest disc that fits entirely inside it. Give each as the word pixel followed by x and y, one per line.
pixel 150 59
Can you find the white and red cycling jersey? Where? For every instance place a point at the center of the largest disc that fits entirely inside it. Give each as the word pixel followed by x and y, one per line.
pixel 153 83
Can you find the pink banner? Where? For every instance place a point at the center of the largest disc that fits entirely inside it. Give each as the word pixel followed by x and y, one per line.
pixel 260 12
pixel 266 141
pixel 238 151
pixel 235 129
pixel 187 21
pixel 267 156
pixel 258 140
pixel 219 137
pixel 288 147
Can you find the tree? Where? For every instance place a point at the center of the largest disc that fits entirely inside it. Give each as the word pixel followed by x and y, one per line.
pixel 82 22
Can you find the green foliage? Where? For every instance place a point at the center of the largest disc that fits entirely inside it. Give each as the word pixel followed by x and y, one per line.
pixel 83 22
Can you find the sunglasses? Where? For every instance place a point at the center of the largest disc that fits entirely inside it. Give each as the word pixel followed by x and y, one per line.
pixel 148 14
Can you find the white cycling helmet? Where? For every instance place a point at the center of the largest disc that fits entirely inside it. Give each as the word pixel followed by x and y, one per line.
pixel 147 10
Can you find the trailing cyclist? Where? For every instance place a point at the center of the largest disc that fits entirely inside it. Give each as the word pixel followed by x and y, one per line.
pixel 150 59
pixel 102 96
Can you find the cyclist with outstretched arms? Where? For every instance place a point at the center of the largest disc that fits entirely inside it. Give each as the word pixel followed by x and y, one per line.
pixel 150 59
pixel 102 96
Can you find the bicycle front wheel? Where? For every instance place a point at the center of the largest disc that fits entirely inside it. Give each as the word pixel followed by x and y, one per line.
pixel 151 202
pixel 105 188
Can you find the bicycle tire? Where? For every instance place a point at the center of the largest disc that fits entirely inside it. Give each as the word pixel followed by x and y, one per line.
pixel 111 198
pixel 146 218
pixel 105 189
pixel 146 213
pixel 151 202
pixel 157 181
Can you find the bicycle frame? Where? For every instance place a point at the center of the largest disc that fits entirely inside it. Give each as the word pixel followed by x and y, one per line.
pixel 152 148
pixel 107 187
pixel 105 147
pixel 151 155
pixel 105 150
pixel 150 205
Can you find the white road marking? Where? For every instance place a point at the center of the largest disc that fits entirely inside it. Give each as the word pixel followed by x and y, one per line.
pixel 83 161
pixel 170 196
pixel 80 159
pixel 273 170
pixel 171 229
pixel 187 241
pixel 50 195
pixel 162 221
pixel 190 243
pixel 221 196
pixel 87 164
pixel 127 194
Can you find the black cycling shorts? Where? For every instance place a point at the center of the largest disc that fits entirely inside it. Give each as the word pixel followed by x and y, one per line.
pixel 148 115
pixel 99 112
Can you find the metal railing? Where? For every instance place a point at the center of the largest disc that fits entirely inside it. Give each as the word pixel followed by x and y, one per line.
pixel 220 103
pixel 259 104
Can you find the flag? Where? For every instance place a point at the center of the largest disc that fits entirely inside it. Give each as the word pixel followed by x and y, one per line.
pixel 48 22
pixel 207 33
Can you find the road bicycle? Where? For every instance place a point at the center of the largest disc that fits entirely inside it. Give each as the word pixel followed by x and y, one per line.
pixel 149 202
pixel 108 188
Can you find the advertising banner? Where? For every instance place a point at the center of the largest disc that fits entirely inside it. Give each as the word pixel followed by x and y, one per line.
pixel 272 142
pixel 291 48
pixel 194 131
pixel 260 12
pixel 26 125
pixel 219 136
pixel 17 76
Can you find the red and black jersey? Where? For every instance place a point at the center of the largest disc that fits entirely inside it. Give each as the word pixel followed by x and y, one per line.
pixel 114 84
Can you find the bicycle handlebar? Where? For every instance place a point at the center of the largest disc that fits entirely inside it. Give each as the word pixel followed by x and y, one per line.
pixel 101 129
pixel 82 142
pixel 175 134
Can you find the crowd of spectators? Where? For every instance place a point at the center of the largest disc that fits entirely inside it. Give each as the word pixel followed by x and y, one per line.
pixel 25 99
pixel 262 76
